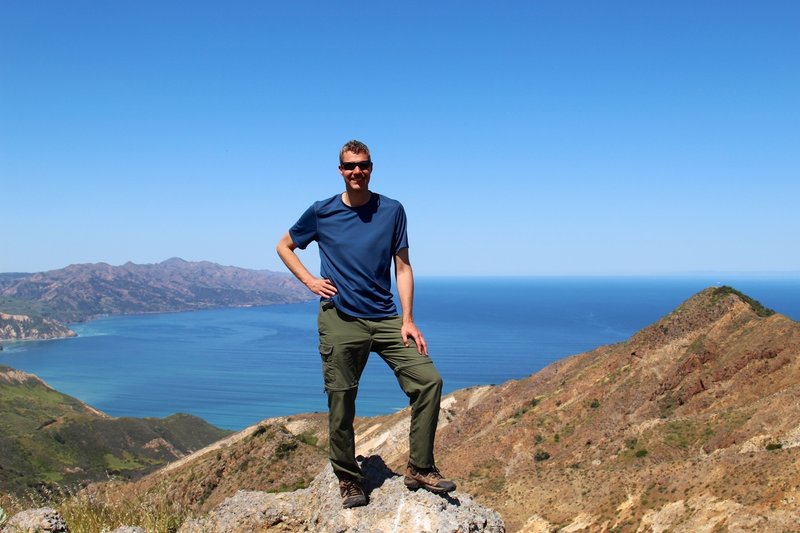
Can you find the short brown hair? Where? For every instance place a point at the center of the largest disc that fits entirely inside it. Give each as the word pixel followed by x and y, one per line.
pixel 357 147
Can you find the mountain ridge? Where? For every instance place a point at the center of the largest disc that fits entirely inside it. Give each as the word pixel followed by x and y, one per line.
pixel 694 420
pixel 80 292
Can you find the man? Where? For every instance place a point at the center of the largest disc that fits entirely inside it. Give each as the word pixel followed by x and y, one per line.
pixel 359 234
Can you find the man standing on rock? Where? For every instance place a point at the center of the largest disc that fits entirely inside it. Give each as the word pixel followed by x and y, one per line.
pixel 359 234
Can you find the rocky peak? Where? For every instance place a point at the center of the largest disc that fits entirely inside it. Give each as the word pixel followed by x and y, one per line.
pixel 392 507
pixel 699 312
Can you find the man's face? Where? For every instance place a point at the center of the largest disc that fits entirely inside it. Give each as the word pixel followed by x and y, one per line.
pixel 356 170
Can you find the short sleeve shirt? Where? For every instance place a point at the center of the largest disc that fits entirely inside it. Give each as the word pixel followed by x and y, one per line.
pixel 356 248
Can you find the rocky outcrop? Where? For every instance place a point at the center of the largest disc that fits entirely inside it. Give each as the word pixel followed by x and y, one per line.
pixel 392 507
pixel 23 327
pixel 40 520
pixel 318 508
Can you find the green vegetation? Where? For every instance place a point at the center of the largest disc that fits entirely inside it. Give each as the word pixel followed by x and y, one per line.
pixel 667 404
pixel 517 414
pixel 615 375
pixel 285 449
pixel 698 346
pixel 774 446
pixel 489 474
pixel 633 449
pixel 299 484
pixel 128 463
pixel 686 433
pixel 541 455
pixel 595 404
pixel 49 438
pixel 32 309
pixel 755 305
pixel 308 437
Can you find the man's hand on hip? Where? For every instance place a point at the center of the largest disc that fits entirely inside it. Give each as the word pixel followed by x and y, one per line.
pixel 321 287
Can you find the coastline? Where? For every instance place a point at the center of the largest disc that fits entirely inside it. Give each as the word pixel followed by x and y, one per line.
pixel 234 366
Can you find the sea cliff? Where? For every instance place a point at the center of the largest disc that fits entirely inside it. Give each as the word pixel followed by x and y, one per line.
pixel 23 327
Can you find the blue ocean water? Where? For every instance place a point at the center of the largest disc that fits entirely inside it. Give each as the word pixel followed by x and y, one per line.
pixel 234 367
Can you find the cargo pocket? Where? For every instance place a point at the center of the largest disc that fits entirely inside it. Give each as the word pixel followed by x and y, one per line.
pixel 336 371
pixel 328 368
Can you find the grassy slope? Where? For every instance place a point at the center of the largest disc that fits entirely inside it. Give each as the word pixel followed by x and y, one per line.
pixel 49 437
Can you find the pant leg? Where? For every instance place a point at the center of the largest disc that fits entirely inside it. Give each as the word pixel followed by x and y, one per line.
pixel 344 347
pixel 421 382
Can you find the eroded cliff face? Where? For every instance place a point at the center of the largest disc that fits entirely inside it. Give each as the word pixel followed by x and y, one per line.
pixel 23 327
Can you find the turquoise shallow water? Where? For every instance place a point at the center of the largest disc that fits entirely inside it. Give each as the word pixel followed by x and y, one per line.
pixel 234 367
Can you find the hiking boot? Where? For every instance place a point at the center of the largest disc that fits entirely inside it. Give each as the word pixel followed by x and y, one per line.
pixel 427 478
pixel 352 493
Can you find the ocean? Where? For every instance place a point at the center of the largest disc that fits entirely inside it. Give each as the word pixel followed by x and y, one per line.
pixel 234 367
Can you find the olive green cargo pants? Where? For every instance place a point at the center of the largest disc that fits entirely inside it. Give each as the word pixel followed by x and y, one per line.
pixel 345 343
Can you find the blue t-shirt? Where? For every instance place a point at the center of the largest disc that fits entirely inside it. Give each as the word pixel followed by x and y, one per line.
pixel 356 248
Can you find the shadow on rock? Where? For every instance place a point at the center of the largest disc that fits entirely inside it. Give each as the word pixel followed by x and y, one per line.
pixel 376 473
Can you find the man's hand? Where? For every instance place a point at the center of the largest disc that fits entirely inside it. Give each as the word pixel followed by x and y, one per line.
pixel 321 287
pixel 409 329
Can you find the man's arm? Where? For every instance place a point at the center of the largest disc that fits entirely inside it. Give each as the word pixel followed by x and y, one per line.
pixel 286 251
pixel 405 290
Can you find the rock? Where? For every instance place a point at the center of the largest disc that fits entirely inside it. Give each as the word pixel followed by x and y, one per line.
pixel 392 507
pixel 40 520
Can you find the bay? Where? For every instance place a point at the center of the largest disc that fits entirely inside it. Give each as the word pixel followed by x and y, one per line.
pixel 234 367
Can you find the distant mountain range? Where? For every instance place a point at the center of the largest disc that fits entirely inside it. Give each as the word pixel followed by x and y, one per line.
pixel 81 292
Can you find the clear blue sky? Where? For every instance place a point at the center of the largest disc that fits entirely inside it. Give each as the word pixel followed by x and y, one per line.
pixel 523 137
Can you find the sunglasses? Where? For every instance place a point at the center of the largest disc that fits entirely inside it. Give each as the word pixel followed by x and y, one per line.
pixel 363 165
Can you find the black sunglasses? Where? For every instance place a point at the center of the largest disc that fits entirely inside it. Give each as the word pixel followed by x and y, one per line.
pixel 363 165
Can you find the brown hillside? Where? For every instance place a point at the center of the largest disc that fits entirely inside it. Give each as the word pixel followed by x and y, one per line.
pixel 693 423
pixel 671 427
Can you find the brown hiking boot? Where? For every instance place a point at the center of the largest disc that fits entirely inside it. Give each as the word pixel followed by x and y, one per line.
pixel 352 493
pixel 427 478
